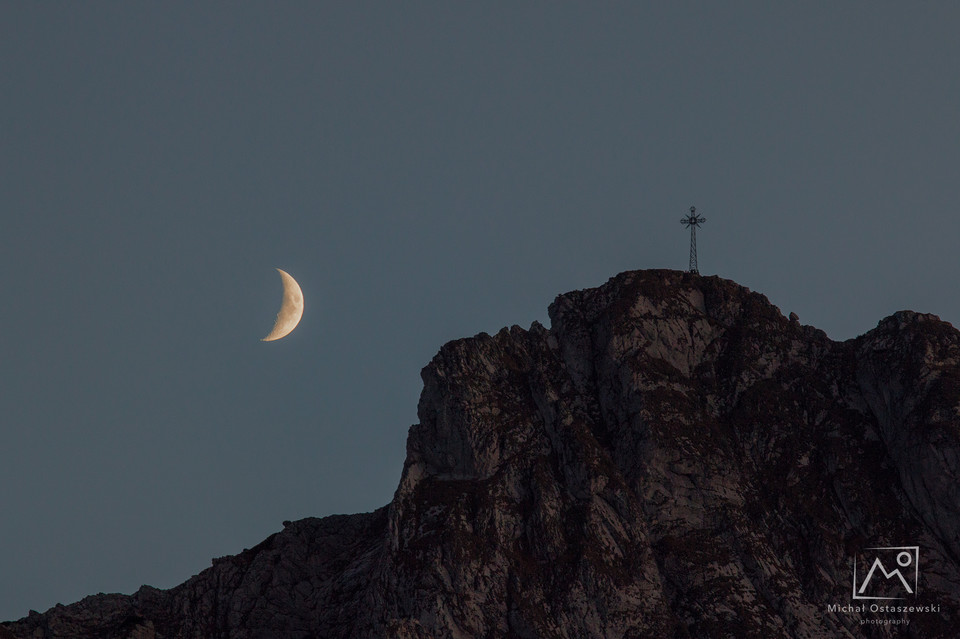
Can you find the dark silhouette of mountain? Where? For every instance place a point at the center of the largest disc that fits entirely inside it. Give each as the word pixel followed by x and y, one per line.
pixel 672 458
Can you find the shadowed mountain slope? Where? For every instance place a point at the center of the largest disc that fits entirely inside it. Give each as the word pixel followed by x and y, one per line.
pixel 672 458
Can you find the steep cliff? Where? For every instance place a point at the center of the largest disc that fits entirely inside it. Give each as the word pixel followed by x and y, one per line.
pixel 672 458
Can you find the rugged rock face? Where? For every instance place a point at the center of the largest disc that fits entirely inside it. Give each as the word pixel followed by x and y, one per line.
pixel 673 458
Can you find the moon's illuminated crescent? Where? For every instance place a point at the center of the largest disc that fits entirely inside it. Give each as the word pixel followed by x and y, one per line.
pixel 290 311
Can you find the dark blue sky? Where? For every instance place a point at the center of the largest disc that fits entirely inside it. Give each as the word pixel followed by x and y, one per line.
pixel 426 171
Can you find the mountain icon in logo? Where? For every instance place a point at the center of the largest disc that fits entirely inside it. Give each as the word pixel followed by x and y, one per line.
pixel 878 582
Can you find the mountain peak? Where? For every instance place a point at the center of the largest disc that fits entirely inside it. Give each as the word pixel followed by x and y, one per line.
pixel 672 457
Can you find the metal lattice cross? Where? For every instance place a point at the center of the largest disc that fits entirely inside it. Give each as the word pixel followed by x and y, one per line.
pixel 693 221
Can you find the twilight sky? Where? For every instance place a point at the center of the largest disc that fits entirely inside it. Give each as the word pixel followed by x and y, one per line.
pixel 426 171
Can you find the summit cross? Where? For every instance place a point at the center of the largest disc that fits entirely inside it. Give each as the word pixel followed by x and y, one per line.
pixel 693 221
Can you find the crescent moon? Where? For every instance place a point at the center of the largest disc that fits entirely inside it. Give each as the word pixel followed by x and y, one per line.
pixel 291 310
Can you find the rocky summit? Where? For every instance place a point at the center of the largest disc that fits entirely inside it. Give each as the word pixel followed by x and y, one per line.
pixel 672 458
